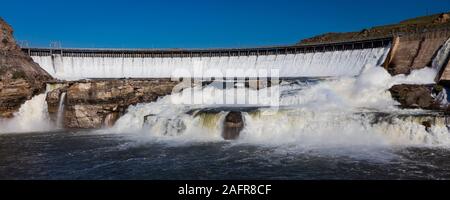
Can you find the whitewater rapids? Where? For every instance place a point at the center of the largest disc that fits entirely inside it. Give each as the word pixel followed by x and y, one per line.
pixel 322 114
pixel 300 113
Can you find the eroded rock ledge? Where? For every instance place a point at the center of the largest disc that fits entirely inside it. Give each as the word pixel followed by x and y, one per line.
pixel 99 103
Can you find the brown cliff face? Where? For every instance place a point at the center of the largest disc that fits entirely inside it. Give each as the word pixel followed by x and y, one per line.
pixel 95 104
pixel 20 77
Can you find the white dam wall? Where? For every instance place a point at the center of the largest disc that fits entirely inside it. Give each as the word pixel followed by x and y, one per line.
pixel 319 64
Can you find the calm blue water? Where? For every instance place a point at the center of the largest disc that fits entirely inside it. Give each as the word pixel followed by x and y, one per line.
pixel 86 155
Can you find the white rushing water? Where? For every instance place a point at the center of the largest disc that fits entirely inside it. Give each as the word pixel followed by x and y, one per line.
pixel 31 117
pixel 323 114
pixel 441 56
pixel 338 111
pixel 333 63
pixel 341 111
pixel 60 114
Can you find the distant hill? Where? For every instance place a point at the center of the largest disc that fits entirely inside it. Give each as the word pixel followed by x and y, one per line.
pixel 418 24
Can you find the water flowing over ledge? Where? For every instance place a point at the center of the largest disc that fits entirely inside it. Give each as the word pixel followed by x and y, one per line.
pixel 309 112
pixel 345 111
pixel 31 117
pixel 320 64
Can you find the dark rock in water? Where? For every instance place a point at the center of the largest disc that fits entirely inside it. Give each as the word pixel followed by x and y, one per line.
pixel 427 125
pixel 234 117
pixel 233 125
pixel 414 96
pixel 20 77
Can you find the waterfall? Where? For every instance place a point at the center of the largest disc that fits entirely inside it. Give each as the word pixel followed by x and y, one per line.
pixel 60 114
pixel 437 64
pixel 110 119
pixel 32 116
pixel 441 56
pixel 342 111
pixel 303 129
pixel 165 120
pixel 319 64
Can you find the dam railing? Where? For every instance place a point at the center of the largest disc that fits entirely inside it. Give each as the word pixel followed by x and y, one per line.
pixel 211 52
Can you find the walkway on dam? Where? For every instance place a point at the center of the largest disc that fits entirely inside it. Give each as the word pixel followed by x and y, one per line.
pixel 215 52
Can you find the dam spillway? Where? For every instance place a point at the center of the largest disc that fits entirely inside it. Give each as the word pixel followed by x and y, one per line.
pixel 319 60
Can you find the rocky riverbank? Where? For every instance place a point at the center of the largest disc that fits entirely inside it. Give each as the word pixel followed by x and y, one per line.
pixel 99 103
pixel 20 77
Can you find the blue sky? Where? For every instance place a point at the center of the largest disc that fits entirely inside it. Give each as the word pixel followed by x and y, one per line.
pixel 199 23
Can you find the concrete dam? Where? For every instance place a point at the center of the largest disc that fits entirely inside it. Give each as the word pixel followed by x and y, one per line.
pixel 312 60
pixel 369 107
pixel 363 84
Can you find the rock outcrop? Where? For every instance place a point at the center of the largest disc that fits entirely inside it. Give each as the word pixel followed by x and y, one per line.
pixel 416 96
pixel 20 77
pixel 233 125
pixel 443 18
pixel 99 103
